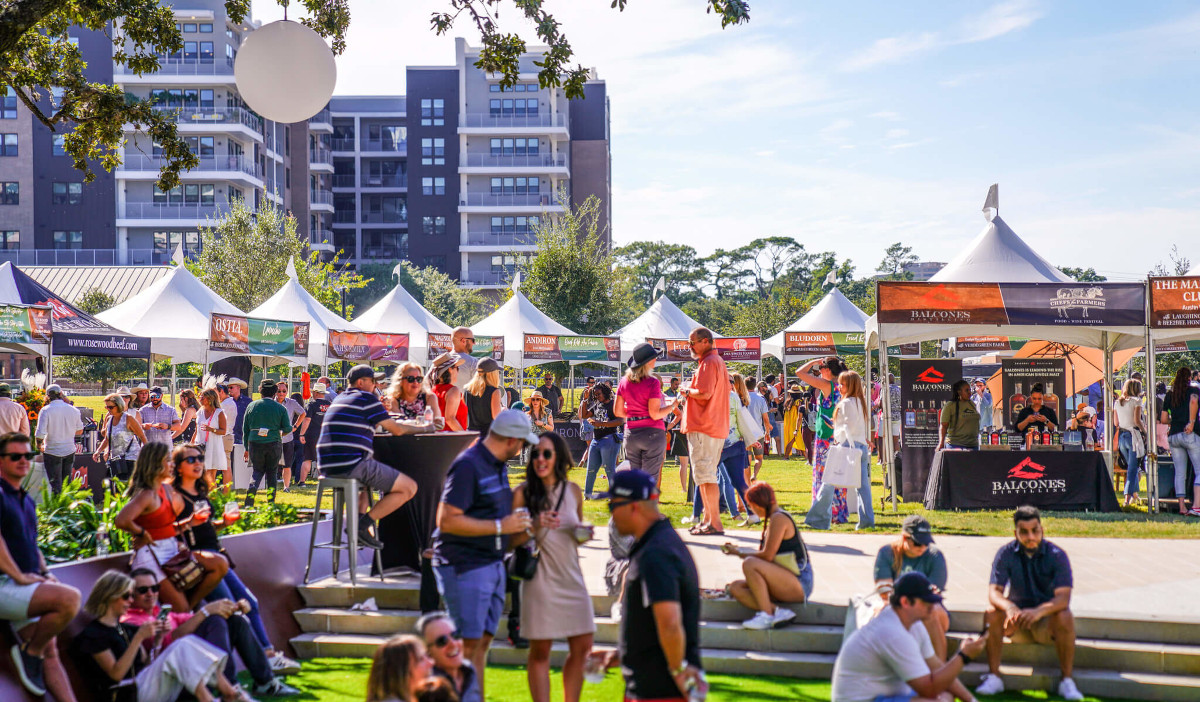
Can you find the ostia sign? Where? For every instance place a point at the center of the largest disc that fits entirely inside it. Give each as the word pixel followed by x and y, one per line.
pixel 254 336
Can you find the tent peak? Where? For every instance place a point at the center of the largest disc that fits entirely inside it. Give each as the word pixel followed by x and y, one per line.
pixel 291 269
pixel 991 204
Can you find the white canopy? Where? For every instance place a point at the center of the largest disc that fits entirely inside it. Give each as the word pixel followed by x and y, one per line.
pixel 294 304
pixel 174 312
pixel 998 255
pixel 663 320
pixel 513 320
pixel 834 313
pixel 399 313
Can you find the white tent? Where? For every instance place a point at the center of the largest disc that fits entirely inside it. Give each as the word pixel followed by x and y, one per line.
pixel 834 313
pixel 513 320
pixel 399 313
pixel 174 313
pixel 663 320
pixel 998 255
pixel 294 304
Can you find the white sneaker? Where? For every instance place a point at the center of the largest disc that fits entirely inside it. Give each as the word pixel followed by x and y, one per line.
pixel 1068 691
pixel 782 616
pixel 760 620
pixel 687 520
pixel 753 519
pixel 992 685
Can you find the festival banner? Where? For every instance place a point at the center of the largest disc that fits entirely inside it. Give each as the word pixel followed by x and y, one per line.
pixel 730 348
pixel 1032 304
pixel 924 387
pixel 1019 378
pixel 368 346
pixel 984 344
pixel 1177 346
pixel 24 325
pixel 550 347
pixel 257 337
pixel 485 346
pixel 823 343
pixel 1174 303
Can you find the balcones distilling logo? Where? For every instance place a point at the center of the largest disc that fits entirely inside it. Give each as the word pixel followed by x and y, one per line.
pixel 1028 478
pixel 1081 299
pixel 931 379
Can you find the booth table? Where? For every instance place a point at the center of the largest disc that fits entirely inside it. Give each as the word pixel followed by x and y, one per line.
pixel 1055 480
pixel 425 458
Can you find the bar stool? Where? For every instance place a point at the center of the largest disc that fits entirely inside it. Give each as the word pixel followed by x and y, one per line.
pixel 345 499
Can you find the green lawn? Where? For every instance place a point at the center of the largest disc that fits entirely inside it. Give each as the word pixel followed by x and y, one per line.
pixel 345 680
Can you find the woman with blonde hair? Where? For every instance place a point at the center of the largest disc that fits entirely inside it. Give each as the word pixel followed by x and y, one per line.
pixel 640 402
pixel 399 668
pixel 123 438
pixel 483 396
pixel 1131 435
pixel 825 382
pixel 213 425
pixel 410 396
pixel 850 421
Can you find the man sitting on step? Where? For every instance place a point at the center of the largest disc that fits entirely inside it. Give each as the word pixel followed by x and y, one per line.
pixel 891 658
pixel 1037 575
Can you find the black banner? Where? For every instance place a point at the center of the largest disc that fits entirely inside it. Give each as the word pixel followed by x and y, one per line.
pixel 110 345
pixel 924 387
pixel 1021 375
pixel 1025 304
pixel 1055 480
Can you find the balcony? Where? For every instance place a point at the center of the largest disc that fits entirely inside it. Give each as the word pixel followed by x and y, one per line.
pixel 485 120
pixel 387 253
pixel 385 217
pixel 152 210
pixel 487 238
pixel 321 122
pixel 511 200
pixel 488 278
pixel 513 161
pixel 209 66
pixel 339 144
pixel 320 155
pixel 320 197
pixel 396 180
pixel 385 145
pixel 85 257
pixel 345 217
pixel 208 164
pixel 216 115
pixel 321 240
pixel 344 180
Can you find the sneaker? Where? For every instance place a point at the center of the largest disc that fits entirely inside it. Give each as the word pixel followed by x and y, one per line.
pixel 1068 691
pixel 282 665
pixel 30 668
pixel 760 621
pixel 276 688
pixel 753 519
pixel 240 694
pixel 366 540
pixel 687 520
pixel 992 685
pixel 782 616
pixel 515 639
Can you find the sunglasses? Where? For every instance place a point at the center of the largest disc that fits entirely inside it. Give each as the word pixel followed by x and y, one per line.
pixel 544 453
pixel 15 456
pixel 193 459
pixel 445 639
pixel 127 596
pixel 612 506
pixel 469 339
pixel 143 589
pixel 110 406
pixel 412 378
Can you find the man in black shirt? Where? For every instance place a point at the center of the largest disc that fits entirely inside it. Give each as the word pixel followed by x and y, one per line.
pixel 552 393
pixel 1037 414
pixel 660 626
pixel 310 430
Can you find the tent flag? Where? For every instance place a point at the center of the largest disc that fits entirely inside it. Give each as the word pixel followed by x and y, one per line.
pixel 557 347
pixel 1030 304
pixel 1175 302
pixel 730 348
pixel 992 202
pixel 368 346
pixel 257 337
pixel 485 346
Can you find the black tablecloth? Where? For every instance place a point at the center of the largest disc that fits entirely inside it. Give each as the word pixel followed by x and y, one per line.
pixel 1063 481
pixel 425 458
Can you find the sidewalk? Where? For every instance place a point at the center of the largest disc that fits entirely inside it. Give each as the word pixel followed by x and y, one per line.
pixel 1132 578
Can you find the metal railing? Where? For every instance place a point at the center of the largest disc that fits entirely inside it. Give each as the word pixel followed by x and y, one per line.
pixel 344 180
pixel 320 155
pixel 320 197
pixel 487 120
pixel 321 117
pixel 215 115
pixel 342 144
pixel 515 200
pixel 514 160
pixel 487 238
pixel 210 66
pixel 85 257
pixel 320 237
pixel 397 180
pixel 389 253
pixel 152 210
pixel 384 217
pixel 484 277
pixel 244 164
pixel 384 145
pixel 345 216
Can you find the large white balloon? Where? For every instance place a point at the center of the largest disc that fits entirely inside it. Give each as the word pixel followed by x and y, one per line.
pixel 285 71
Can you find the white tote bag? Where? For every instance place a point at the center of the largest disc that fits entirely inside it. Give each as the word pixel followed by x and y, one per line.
pixel 843 466
pixel 752 431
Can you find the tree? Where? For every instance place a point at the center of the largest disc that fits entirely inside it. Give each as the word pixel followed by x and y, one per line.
pixel 1083 275
pixel 773 261
pixel 647 261
pixel 726 272
pixel 97 369
pixel 1180 263
pixel 37 60
pixel 244 258
pixel 441 295
pixel 572 277
pixel 895 259
pixel 715 313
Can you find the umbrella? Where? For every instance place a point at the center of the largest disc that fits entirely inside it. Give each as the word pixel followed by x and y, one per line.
pixel 1084 365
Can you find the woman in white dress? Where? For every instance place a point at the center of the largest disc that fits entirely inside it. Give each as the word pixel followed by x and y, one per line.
pixel 211 427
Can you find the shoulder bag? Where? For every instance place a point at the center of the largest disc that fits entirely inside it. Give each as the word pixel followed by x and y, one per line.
pixel 843 466
pixel 524 561
pixel 751 431
pixel 182 569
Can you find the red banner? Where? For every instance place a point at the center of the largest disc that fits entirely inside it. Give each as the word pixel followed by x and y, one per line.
pixel 368 346
pixel 730 348
pixel 485 346
pixel 1175 302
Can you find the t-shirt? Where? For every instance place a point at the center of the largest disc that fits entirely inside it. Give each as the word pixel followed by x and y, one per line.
pixel 478 485
pixel 758 406
pixel 18 527
pixel 961 419
pixel 1180 413
pixel 637 398
pixel 711 416
pixel 294 410
pixel 316 415
pixel 232 428
pixel 95 638
pixel 553 395
pixel 602 412
pixel 932 564
pixel 1031 580
pixel 348 431
pixel 1046 412
pixel 660 570
pixel 879 659
pixel 266 422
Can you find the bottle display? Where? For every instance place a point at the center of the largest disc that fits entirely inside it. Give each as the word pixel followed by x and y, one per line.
pixel 910 416
pixel 995 437
pixel 1016 403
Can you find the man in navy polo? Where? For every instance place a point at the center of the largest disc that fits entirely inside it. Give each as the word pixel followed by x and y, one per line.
pixel 1029 596
pixel 37 606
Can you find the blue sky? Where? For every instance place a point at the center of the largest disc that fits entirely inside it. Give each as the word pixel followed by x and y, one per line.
pixel 850 126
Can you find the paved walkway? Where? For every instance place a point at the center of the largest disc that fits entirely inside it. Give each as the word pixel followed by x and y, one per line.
pixel 1138 578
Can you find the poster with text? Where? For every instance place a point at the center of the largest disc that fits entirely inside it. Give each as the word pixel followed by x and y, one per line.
pixel 24 325
pixel 731 348
pixel 1031 304
pixel 1019 377
pixel 1175 302
pixel 368 346
pixel 549 347
pixel 485 346
pixel 975 345
pixel 924 387
pixel 257 337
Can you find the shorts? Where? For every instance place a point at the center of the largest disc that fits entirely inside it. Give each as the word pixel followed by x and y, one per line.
pixel 806 580
pixel 756 450
pixel 896 428
pixel 371 473
pixel 706 456
pixel 14 602
pixel 1039 633
pixel 896 698
pixel 310 448
pixel 163 549
pixel 776 426
pixel 679 446
pixel 474 598
pixel 289 454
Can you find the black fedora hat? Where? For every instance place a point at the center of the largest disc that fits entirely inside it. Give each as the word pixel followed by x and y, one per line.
pixel 643 353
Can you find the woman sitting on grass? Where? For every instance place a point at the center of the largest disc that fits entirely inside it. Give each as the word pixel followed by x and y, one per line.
pixel 398 671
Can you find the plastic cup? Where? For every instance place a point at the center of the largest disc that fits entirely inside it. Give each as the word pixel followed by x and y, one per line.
pixel 232 511
pixel 593 668
pixel 584 532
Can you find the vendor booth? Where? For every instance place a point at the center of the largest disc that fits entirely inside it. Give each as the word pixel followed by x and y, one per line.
pixel 399 313
pixel 1174 325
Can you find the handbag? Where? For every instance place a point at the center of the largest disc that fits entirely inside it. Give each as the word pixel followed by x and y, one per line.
pixel 751 431
pixel 843 466
pixel 524 561
pixel 182 569
pixel 861 610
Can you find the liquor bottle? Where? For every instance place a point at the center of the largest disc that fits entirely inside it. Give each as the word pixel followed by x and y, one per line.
pixel 910 416
pixel 920 424
pixel 935 415
pixel 995 437
pixel 1050 399
pixel 1046 438
pixel 1016 403
pixel 1056 438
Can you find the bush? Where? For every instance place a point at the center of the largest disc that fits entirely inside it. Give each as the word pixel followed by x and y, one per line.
pixel 68 522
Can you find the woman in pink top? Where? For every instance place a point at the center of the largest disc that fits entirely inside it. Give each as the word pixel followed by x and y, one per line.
pixel 640 401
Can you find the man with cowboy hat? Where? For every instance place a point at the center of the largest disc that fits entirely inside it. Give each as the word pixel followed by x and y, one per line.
pixel 13 415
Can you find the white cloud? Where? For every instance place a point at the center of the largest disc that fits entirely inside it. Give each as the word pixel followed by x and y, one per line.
pixel 999 20
pixel 895 133
pixel 891 50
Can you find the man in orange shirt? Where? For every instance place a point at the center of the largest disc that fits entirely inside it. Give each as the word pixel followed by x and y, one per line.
pixel 706 424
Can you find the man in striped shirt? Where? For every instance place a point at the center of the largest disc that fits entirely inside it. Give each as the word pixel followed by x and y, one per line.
pixel 346 448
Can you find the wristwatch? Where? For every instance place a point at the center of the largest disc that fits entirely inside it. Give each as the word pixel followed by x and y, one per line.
pixel 965 658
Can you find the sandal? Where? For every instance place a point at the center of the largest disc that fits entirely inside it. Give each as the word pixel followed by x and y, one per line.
pixel 709 531
pixel 697 529
pixel 1194 512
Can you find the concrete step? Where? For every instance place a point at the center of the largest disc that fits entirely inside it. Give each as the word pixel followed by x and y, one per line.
pixel 1105 684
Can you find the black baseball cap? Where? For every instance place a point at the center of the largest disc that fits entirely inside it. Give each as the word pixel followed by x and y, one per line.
pixel 362 370
pixel 915 585
pixel 919 529
pixel 631 485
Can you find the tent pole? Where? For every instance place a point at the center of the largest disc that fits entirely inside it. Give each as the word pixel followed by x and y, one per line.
pixel 1106 393
pixel 150 371
pixel 571 384
pixel 173 381
pixel 1151 396
pixel 49 369
pixel 889 461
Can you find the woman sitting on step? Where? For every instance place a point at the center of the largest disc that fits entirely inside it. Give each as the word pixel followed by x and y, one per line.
pixel 778 571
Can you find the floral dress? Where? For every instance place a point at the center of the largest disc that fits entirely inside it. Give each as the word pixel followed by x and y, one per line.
pixel 824 433
pixel 411 410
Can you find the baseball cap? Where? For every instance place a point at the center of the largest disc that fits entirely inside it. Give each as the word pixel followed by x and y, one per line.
pixel 487 365
pixel 319 387
pixel 362 370
pixel 156 391
pixel 514 424
pixel 54 387
pixel 630 485
pixel 919 529
pixel 914 584
pixel 1089 410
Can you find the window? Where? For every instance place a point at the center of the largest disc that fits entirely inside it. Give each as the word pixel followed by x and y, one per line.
pixel 513 225
pixel 494 88
pixel 189 27
pixel 10 193
pixel 166 242
pixel 187 194
pixel 433 186
pixel 8 144
pixel 508 107
pixel 206 52
pixel 511 147
pixel 8 106
pixel 229 52
pixel 201 146
pixel 433 226
pixel 10 240
pixel 59 145
pixel 433 152
pixel 438 262
pixel 68 240
pixel 206 29
pixel 507 262
pixel 66 193
pixel 191 50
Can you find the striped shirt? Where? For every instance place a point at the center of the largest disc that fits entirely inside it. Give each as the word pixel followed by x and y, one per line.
pixel 348 431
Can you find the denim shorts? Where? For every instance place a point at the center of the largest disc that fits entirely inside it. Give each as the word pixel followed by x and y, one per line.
pixel 806 580
pixel 896 698
pixel 474 598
